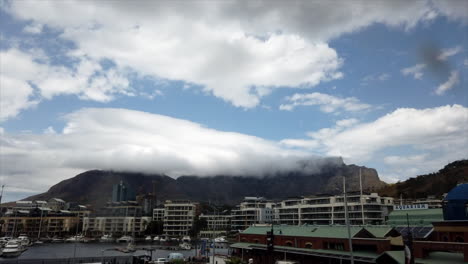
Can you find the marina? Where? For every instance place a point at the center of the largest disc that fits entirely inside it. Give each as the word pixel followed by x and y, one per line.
pixel 66 252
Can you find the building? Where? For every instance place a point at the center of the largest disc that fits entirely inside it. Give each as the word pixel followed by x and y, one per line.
pixel 158 214
pixel 455 205
pixel 310 244
pixel 252 210
pixel 217 225
pixel 179 216
pixel 56 204
pixel 39 222
pixel 121 193
pixel 117 219
pixel 329 210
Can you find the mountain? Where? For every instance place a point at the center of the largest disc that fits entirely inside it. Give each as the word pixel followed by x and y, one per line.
pixel 95 187
pixel 436 183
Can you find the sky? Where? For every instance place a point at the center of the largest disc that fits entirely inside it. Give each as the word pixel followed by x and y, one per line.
pixel 229 87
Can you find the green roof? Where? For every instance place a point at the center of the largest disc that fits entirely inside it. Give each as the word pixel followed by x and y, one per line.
pixel 432 258
pixel 304 231
pixel 379 231
pixel 336 253
pixel 416 217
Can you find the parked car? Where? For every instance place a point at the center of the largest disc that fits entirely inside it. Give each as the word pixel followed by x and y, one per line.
pixel 160 261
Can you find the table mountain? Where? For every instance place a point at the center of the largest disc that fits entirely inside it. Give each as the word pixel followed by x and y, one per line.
pixel 95 187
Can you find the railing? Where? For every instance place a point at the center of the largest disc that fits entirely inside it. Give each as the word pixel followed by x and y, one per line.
pixel 109 259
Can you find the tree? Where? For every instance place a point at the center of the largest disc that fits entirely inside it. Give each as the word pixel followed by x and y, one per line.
pixel 154 228
pixel 198 224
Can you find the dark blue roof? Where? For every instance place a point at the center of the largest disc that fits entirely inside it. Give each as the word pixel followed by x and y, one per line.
pixel 458 193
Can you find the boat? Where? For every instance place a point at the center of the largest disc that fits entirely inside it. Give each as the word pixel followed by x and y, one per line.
pixel 128 249
pixel 24 239
pixel 148 239
pixel 162 239
pixel 221 239
pixel 106 239
pixel 156 238
pixel 185 246
pixel 77 238
pixel 13 248
pixel 57 240
pixel 186 239
pixel 125 239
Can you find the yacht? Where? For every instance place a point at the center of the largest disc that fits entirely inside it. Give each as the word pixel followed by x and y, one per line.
pixel 156 238
pixel 107 239
pixel 57 240
pixel 13 248
pixel 186 239
pixel 77 238
pixel 148 239
pixel 125 239
pixel 221 239
pixel 185 246
pixel 24 239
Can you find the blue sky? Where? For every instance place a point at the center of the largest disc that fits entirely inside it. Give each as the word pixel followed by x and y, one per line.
pixel 229 87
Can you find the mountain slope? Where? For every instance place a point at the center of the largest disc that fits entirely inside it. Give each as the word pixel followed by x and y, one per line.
pixel 430 184
pixel 95 187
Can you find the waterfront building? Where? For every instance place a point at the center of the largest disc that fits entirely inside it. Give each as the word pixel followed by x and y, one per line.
pixel 117 219
pixel 217 225
pixel 56 204
pixel 252 210
pixel 158 214
pixel 179 216
pixel 330 244
pixel 329 210
pixel 39 221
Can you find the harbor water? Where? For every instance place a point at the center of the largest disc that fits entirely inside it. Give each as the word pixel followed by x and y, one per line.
pixel 51 251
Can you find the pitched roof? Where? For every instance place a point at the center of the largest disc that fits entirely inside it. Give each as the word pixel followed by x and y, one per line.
pixel 305 231
pixel 379 231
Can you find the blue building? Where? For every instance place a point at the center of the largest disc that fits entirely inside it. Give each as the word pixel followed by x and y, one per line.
pixel 455 204
pixel 122 193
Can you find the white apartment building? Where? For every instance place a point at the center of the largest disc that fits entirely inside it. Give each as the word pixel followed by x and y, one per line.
pixel 118 225
pixel 217 225
pixel 326 210
pixel 179 217
pixel 158 214
pixel 253 210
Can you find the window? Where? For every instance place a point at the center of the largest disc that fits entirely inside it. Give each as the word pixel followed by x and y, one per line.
pixel 308 245
pixel 288 243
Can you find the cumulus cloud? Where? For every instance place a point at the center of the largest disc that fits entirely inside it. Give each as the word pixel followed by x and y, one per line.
pixel 416 71
pixel 127 140
pixel 449 84
pixel 87 79
pixel 446 53
pixel 327 103
pixel 236 51
pixel 438 134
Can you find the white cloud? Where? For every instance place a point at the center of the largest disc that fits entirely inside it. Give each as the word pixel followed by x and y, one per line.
pixel 34 28
pixel 328 103
pixel 87 80
pixel 415 71
pixel 127 140
pixel 438 134
pixel 405 160
pixel 446 53
pixel 452 81
pixel 237 51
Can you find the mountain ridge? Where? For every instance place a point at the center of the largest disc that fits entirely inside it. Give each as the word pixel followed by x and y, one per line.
pixel 95 187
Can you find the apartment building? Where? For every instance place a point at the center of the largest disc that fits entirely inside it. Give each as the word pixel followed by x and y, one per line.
pixel 38 222
pixel 179 216
pixel 116 225
pixel 326 210
pixel 217 225
pixel 252 210
pixel 117 218
pixel 158 214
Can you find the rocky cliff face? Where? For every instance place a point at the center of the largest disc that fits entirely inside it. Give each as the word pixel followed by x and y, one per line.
pixel 95 187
